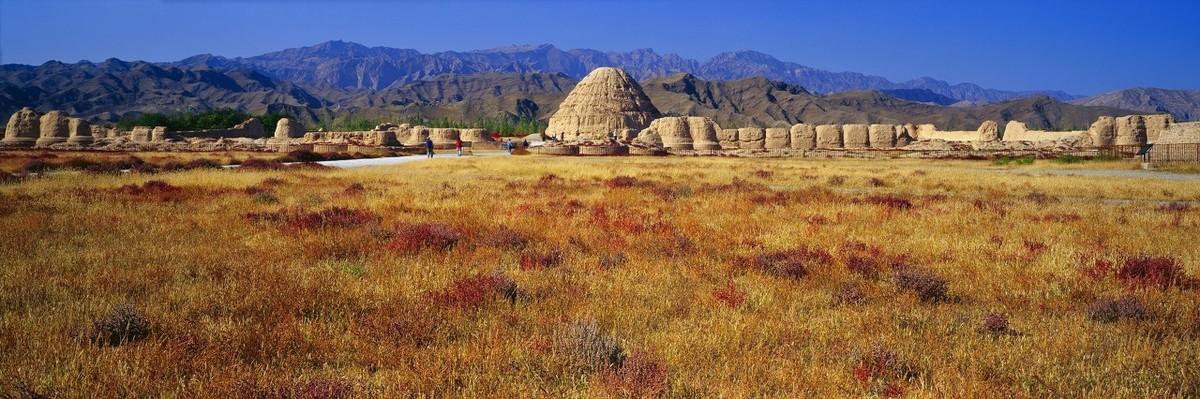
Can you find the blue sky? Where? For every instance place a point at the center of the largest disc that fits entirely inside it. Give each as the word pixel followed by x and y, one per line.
pixel 1083 47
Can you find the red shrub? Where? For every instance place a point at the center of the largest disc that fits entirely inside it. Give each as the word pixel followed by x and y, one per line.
pixel 260 164
pixel 1152 271
pixel 153 189
pixel 995 323
pixel 621 182
pixel 354 189
pixel 776 198
pixel 335 217
pixel 928 286
pixel 332 217
pixel 475 291
pixel 890 202
pixel 1034 247
pixel 641 375
pixel 849 294
pixel 791 263
pixel 1041 198
pixel 883 371
pixel 531 259
pixel 763 174
pixel 417 236
pixel 505 237
pixel 730 295
pixel 326 388
pixel 548 179
pixel 1175 207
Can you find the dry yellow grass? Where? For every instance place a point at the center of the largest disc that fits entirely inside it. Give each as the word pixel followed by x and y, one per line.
pixel 504 277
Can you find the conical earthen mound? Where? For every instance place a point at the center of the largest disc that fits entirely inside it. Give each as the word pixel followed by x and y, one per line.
pixel 605 100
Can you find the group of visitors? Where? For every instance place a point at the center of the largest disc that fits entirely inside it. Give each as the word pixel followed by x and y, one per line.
pixel 458 147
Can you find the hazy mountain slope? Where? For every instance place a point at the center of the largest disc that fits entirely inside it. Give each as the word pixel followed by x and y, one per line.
pixel 115 87
pixel 349 65
pixel 763 102
pixel 1182 104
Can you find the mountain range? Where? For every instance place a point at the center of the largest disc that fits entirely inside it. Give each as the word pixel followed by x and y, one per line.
pixel 737 89
pixel 350 65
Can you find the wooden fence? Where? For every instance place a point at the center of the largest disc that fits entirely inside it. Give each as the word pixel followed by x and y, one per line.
pixel 1159 153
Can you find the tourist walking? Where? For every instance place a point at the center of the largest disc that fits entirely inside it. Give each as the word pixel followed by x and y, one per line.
pixel 458 146
pixel 429 147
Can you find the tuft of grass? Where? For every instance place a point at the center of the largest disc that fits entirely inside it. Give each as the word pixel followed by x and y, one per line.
pixel 123 325
pixel 1110 310
pixel 927 285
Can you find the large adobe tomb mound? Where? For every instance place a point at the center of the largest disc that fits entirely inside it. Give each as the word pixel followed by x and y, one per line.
pixel 606 101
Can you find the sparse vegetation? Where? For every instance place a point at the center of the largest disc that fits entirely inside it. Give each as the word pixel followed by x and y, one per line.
pixel 596 277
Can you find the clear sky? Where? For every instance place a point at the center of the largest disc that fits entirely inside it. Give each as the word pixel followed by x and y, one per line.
pixel 1083 47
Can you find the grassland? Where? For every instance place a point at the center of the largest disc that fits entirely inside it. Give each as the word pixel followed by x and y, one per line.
pixel 606 277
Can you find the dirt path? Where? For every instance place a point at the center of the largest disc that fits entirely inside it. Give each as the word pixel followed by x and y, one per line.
pixel 358 163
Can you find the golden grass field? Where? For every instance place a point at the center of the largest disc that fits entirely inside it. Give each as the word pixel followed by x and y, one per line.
pixel 601 277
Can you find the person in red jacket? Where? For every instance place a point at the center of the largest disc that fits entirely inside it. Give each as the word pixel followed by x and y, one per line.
pixel 458 146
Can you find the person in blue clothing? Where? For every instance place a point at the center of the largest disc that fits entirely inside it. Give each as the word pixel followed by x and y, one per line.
pixel 429 147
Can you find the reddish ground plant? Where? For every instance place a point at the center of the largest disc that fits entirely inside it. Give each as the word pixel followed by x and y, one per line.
pixel 272 182
pixel 157 190
pixel 505 237
pixel 836 181
pixel 736 186
pixel 763 174
pixel 415 324
pixel 548 179
pixel 927 285
pixel 791 263
pixel 995 207
pixel 418 236
pixel 1152 271
pixel 877 182
pixel 1175 207
pixel 536 259
pixel 176 166
pixel 354 189
pixel 1034 247
pixel 866 267
pixel 641 375
pixel 302 156
pixel 124 324
pixel 1041 198
pixel 35 166
pixel 475 291
pixel 880 370
pixel 890 202
pixel 335 217
pixel 995 323
pixel 621 182
pixel 1055 218
pixel 776 198
pixel 326 388
pixel 730 295
pixel 609 261
pixel 261 164
pixel 849 293
pixel 1110 310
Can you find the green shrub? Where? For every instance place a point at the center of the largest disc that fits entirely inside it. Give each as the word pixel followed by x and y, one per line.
pixel 1068 159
